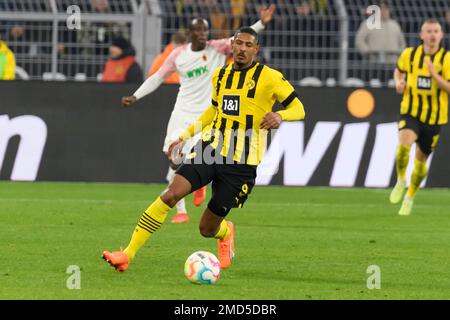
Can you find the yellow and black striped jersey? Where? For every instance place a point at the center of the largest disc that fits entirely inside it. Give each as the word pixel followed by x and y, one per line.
pixel 240 100
pixel 423 99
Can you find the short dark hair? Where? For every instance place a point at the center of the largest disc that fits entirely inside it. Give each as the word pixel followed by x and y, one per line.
pixel 249 31
pixel 431 20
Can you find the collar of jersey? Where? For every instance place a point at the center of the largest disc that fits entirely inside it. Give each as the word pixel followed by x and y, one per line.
pixel 430 55
pixel 248 68
pixel 197 52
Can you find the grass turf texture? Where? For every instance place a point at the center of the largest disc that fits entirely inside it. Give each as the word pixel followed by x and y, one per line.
pixel 291 243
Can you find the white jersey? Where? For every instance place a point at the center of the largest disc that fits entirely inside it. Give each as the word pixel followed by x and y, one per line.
pixel 195 69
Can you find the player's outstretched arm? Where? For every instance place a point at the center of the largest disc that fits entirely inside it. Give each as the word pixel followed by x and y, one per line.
pixel 266 14
pixel 128 101
pixel 155 80
pixel 151 84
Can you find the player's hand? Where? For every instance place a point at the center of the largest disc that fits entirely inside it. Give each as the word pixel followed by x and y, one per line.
pixel 266 14
pixel 174 152
pixel 400 86
pixel 128 101
pixel 271 120
pixel 430 66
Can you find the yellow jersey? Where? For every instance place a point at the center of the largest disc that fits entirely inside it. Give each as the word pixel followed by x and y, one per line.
pixel 423 99
pixel 7 62
pixel 240 100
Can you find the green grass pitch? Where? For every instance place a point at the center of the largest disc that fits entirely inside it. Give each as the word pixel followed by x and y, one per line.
pixel 291 243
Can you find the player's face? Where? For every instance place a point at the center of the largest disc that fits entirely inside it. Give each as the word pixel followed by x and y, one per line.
pixel 431 34
pixel 199 33
pixel 244 48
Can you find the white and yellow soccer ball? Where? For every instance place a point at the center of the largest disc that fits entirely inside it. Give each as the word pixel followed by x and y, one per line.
pixel 202 267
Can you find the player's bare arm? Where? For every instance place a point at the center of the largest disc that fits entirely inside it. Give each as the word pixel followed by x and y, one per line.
pixel 442 83
pixel 128 101
pixel 266 14
pixel 400 83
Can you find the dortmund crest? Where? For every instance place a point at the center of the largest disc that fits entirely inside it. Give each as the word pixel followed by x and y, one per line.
pixel 250 84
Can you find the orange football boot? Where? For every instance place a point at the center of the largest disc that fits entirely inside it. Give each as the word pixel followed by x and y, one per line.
pixel 180 217
pixel 117 259
pixel 199 196
pixel 226 248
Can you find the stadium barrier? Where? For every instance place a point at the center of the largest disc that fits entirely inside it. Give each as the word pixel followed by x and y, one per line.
pixel 83 134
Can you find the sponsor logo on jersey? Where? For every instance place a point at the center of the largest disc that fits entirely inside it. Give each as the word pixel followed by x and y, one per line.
pixel 231 104
pixel 424 83
pixel 197 72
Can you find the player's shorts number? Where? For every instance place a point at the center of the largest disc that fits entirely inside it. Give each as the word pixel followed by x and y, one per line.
pixel 242 195
pixel 434 142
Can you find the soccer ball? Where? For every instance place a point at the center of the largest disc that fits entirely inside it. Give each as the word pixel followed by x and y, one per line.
pixel 202 267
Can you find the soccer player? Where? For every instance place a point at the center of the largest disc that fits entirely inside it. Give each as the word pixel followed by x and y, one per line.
pixel 195 62
pixel 234 135
pixel 422 76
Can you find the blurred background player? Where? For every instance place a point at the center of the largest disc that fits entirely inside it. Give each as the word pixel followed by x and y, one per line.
pixel 195 63
pixel 7 62
pixel 422 76
pixel 243 96
pixel 177 39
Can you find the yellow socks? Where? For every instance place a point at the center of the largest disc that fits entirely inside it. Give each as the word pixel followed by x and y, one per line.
pixel 419 173
pixel 150 221
pixel 224 231
pixel 401 160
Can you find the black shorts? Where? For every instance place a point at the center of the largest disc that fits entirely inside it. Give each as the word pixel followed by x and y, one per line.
pixel 231 183
pixel 427 135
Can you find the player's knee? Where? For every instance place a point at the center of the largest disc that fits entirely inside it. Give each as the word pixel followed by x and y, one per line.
pixel 171 196
pixel 207 231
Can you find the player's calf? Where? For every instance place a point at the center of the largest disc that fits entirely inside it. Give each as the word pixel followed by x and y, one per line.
pixel 208 231
pixel 211 223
